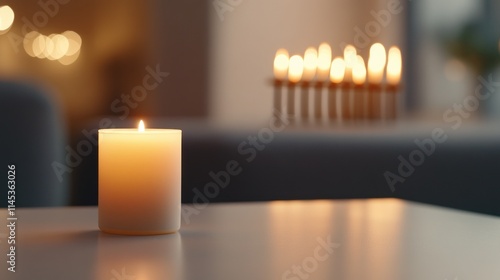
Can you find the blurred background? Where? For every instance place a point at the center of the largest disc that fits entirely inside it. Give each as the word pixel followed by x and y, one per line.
pixel 209 65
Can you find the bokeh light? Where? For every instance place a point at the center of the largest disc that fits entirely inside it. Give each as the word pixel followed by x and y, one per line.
pixel 337 70
pixel 63 47
pixel 281 64
pixel 359 71
pixel 310 63
pixel 296 69
pixel 74 40
pixel 28 43
pixel 6 18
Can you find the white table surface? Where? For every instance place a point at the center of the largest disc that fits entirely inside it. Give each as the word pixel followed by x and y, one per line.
pixel 383 239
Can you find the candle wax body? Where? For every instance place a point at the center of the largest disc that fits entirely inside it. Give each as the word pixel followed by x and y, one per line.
pixel 139 181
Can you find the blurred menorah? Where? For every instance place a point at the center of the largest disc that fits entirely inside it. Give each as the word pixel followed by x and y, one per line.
pixel 314 89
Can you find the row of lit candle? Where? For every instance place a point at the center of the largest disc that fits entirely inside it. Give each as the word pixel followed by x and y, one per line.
pixel 317 65
pixel 356 90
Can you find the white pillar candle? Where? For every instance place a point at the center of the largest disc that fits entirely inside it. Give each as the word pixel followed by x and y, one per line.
pixel 139 181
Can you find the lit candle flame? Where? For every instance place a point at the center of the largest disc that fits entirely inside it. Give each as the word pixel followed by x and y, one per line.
pixel 376 63
pixel 141 126
pixel 324 60
pixel 310 63
pixel 281 64
pixel 359 71
pixel 350 54
pixel 394 65
pixel 296 68
pixel 337 70
pixel 350 61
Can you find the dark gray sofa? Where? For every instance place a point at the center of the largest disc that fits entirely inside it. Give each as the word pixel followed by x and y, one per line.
pixel 332 162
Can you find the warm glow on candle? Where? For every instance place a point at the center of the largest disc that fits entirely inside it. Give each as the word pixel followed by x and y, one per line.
pixel 296 68
pixel 349 60
pixel 394 65
pixel 337 70
pixel 139 169
pixel 281 64
pixel 141 126
pixel 324 60
pixel 376 63
pixel 359 71
pixel 310 64
pixel 350 56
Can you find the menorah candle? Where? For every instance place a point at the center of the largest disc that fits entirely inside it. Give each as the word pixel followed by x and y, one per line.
pixel 345 94
pixel 350 57
pixel 318 100
pixel 394 68
pixel 337 72
pixel 304 102
pixel 323 74
pixel 376 65
pixel 280 70
pixel 332 101
pixel 358 78
pixel 310 66
pixel 324 61
pixel 372 102
pixel 295 71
